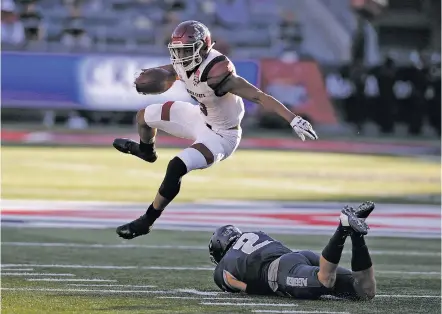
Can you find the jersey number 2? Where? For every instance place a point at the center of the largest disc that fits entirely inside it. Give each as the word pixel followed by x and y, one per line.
pixel 246 243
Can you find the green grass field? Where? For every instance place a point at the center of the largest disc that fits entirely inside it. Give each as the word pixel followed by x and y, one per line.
pixel 407 270
pixel 62 270
pixel 106 175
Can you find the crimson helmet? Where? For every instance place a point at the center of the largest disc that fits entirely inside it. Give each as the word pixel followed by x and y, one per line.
pixel 189 45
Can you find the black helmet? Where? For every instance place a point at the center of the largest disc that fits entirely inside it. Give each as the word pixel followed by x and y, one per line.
pixel 221 241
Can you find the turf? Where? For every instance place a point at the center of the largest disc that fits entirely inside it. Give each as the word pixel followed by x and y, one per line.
pixel 106 175
pixel 393 259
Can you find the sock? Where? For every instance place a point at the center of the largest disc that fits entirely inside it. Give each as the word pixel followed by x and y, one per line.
pixel 152 214
pixel 333 250
pixel 147 147
pixel 360 257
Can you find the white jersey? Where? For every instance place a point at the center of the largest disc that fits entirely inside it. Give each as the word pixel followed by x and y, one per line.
pixel 220 112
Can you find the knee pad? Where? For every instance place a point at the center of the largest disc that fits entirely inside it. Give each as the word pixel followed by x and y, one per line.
pixel 170 187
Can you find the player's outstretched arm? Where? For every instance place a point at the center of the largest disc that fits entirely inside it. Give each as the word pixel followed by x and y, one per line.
pixel 223 80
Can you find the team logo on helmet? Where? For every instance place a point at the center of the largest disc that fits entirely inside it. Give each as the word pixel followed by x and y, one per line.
pixel 200 31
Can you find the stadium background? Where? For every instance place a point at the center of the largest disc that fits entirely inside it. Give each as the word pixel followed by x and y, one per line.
pixel 366 73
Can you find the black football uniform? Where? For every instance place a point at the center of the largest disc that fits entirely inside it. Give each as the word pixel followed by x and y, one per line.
pixel 268 267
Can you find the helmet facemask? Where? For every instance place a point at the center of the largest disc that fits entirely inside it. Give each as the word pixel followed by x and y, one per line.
pixel 186 55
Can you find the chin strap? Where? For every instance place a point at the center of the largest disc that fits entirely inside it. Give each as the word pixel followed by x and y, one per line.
pixel 211 46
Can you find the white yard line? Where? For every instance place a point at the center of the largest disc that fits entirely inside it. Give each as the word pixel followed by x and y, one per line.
pixel 110 286
pixel 249 304
pixel 37 274
pixel 180 268
pixel 207 298
pixel 71 280
pixel 408 272
pixel 87 290
pixel 204 294
pixel 176 268
pixel 299 312
pixel 104 246
pixel 16 269
pixel 189 247
pixel 72 266
pixel 197 292
pixel 411 296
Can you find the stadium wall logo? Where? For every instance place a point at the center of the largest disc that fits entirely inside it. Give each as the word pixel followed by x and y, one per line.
pixel 108 83
pixel 314 218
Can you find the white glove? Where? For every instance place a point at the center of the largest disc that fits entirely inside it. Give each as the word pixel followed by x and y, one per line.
pixel 303 128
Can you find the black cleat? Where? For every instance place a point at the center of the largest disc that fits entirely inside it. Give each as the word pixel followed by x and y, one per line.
pixel 134 229
pixel 349 220
pixel 365 209
pixel 128 146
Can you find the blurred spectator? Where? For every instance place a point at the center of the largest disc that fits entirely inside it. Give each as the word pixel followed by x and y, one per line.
pixel 171 20
pixel 385 109
pixel 32 21
pixel 354 100
pixel 74 33
pixel 365 46
pixel 289 31
pixel 12 28
pixel 142 22
pixel 409 89
pixel 174 5
pixel 434 99
pixel 94 5
pixel 208 7
pixel 223 46
pixel 232 13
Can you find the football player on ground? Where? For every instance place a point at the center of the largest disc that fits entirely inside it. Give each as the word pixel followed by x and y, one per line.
pixel 255 263
pixel 214 126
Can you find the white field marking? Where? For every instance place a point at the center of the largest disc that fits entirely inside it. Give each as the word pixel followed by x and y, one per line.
pixel 408 272
pixel 250 304
pixel 68 279
pixel 121 286
pixel 16 269
pixel 206 298
pixel 197 292
pixel 407 296
pixel 37 274
pixel 202 268
pixel 176 268
pixel 190 247
pixel 87 290
pixel 73 266
pixel 299 312
pixel 188 291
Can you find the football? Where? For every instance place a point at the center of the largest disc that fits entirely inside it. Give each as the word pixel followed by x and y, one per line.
pixel 154 81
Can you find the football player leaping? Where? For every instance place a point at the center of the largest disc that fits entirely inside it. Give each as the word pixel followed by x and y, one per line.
pixel 210 79
pixel 255 263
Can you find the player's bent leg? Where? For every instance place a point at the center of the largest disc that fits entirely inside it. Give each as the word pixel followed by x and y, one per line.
pixel 362 267
pixel 168 190
pixel 331 255
pixel 176 118
pixel 296 277
pixel 170 187
pixel 146 148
